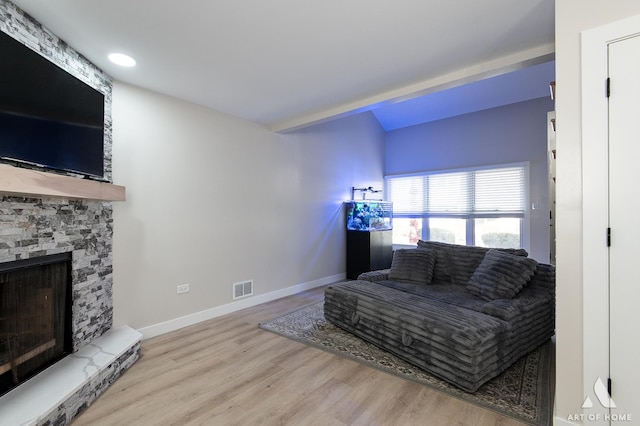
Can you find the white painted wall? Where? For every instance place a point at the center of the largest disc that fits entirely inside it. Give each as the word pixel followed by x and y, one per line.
pixel 573 17
pixel 213 200
pixel 507 134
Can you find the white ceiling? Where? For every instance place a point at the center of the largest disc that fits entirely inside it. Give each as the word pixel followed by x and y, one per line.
pixel 289 63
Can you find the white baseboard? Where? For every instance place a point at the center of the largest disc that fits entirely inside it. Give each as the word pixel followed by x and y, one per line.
pixel 207 314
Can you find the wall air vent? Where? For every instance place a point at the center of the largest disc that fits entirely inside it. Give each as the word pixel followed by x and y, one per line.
pixel 242 289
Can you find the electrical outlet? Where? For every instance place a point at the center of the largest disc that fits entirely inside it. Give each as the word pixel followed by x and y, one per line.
pixel 183 288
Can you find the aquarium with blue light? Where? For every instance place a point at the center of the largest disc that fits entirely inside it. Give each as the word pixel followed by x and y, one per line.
pixel 367 215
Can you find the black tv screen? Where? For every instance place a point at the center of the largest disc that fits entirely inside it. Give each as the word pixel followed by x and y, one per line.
pixel 48 117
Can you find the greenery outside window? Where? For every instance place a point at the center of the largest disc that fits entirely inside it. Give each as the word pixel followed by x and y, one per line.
pixel 485 207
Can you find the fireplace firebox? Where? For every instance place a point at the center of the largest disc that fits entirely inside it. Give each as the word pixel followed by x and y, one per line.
pixel 35 316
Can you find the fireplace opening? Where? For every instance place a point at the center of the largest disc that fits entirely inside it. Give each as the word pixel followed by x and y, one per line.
pixel 35 316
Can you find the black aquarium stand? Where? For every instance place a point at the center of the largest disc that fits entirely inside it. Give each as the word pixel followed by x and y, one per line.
pixel 368 251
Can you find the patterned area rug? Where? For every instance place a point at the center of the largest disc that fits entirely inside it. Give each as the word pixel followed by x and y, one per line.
pixel 522 392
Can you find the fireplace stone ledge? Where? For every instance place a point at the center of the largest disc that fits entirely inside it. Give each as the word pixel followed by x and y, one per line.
pixel 62 391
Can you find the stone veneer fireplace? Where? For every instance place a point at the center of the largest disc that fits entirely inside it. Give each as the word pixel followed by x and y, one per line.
pixel 31 227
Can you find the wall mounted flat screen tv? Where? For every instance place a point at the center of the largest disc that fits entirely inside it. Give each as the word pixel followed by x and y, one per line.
pixel 48 117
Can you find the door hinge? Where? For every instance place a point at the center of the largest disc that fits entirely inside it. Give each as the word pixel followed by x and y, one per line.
pixel 608 87
pixel 609 386
pixel 608 237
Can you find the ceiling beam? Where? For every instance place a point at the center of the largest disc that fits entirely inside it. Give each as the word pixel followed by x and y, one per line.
pixel 502 65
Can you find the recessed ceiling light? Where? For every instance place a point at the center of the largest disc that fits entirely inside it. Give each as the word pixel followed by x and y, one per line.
pixel 122 59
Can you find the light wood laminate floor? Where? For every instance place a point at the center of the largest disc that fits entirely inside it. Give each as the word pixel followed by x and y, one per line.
pixel 227 371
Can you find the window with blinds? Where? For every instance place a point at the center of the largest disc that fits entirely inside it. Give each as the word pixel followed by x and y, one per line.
pixel 468 204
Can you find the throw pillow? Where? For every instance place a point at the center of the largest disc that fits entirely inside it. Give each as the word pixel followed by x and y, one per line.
pixel 501 275
pixel 442 268
pixel 412 266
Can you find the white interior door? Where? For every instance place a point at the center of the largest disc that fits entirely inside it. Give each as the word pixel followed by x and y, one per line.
pixel 624 222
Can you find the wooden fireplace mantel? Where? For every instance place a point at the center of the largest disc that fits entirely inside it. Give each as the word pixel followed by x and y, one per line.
pixel 16 181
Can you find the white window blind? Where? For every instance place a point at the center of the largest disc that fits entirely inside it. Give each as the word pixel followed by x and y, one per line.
pixel 483 192
pixel 450 193
pixel 500 191
pixel 409 194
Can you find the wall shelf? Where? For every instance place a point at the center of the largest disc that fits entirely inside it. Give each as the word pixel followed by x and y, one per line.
pixel 19 182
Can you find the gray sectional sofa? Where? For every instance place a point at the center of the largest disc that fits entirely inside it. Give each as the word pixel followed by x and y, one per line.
pixel 462 313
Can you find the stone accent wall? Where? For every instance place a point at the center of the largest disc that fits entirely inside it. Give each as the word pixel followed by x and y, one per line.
pixel 31 227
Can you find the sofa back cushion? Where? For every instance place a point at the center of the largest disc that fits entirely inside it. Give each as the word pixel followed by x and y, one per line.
pixel 412 266
pixel 501 275
pixel 455 264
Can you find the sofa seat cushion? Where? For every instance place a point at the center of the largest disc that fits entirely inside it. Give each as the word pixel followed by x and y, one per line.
pixel 539 291
pixel 455 295
pixel 501 275
pixel 412 266
pixel 460 330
